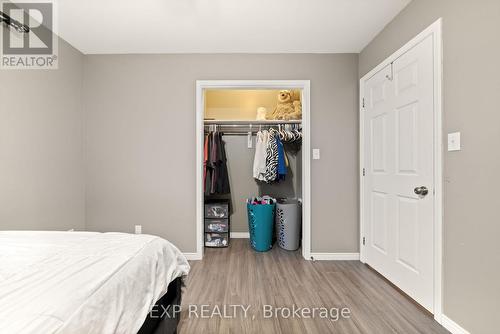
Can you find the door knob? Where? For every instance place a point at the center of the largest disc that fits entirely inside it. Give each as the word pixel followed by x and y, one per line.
pixel 422 191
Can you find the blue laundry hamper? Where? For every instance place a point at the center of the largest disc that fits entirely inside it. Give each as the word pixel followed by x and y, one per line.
pixel 260 225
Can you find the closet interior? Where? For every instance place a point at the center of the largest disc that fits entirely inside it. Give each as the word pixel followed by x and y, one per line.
pixel 252 149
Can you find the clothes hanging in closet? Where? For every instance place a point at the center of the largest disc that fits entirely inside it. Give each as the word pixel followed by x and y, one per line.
pixel 259 163
pixel 281 169
pixel 272 158
pixel 216 177
pixel 270 161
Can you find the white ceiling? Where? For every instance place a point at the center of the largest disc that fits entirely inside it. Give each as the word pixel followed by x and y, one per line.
pixel 224 26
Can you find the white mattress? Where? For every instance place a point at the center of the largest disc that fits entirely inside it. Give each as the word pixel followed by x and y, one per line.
pixel 82 282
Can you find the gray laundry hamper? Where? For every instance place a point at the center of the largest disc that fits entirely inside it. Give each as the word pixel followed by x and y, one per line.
pixel 288 223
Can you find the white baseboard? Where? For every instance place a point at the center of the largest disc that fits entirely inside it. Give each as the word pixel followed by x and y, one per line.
pixel 240 235
pixel 192 256
pixel 335 256
pixel 452 326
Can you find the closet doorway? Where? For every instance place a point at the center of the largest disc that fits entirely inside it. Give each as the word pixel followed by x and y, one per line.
pixel 206 90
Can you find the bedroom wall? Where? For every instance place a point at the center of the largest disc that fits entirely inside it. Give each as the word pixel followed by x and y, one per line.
pixel 140 140
pixel 471 85
pixel 41 153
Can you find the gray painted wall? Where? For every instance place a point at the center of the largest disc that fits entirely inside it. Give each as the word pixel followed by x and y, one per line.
pixel 140 146
pixel 41 152
pixel 471 200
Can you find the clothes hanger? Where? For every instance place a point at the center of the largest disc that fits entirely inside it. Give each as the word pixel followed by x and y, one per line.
pixel 296 134
pixel 283 135
pixel 289 133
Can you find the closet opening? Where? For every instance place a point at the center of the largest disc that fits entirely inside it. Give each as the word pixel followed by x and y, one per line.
pixel 253 147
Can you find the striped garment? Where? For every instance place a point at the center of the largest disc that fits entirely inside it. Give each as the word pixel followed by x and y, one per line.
pixel 272 158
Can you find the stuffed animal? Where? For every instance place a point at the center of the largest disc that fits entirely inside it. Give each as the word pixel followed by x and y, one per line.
pixel 286 108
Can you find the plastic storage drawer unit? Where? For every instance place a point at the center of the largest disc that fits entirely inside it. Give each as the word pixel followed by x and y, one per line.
pixel 217 225
pixel 216 210
pixel 216 239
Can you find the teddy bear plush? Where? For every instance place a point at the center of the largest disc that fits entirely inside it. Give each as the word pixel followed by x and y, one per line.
pixel 287 108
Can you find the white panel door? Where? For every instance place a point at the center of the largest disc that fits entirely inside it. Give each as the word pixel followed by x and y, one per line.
pixel 398 155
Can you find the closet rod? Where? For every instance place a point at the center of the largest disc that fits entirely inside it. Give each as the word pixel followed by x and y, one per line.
pixel 234 129
pixel 244 126
pixel 251 122
pixel 226 133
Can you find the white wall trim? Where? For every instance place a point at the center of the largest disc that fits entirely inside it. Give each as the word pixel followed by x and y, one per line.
pixel 335 256
pixel 240 235
pixel 192 256
pixel 304 86
pixel 452 326
pixel 435 30
pixel 200 104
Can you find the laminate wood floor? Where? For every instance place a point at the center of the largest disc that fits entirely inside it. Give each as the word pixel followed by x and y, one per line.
pixel 239 276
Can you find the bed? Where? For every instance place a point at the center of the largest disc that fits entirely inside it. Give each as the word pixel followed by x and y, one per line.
pixel 86 282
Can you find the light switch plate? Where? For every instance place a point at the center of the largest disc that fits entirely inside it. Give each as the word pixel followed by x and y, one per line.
pixel 316 154
pixel 454 141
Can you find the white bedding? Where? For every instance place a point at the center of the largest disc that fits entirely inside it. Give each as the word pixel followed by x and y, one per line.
pixel 82 282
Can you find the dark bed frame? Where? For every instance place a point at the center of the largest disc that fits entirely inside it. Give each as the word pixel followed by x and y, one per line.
pixel 160 321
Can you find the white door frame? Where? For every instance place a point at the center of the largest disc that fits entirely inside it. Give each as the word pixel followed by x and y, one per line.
pixel 304 86
pixel 435 30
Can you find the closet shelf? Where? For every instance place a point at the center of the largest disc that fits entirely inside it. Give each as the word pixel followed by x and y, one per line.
pixel 250 122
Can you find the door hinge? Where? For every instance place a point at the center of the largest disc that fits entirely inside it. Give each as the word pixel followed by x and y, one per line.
pixel 364 172
pixel 363 241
